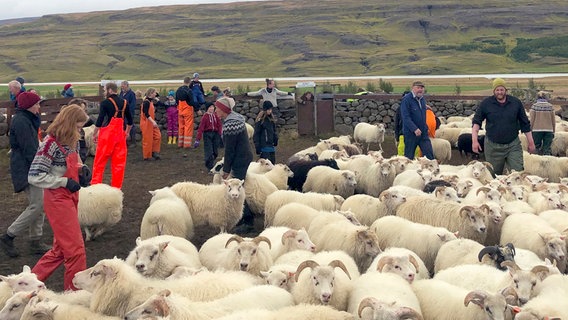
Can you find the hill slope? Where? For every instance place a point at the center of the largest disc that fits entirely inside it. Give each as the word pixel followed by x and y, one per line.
pixel 287 38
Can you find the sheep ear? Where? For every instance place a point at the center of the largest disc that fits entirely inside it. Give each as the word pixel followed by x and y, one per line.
pixel 163 245
pixel 290 275
pixel 289 234
pixel 152 192
pixel 26 269
pixel 477 297
pixel 138 241
pixel 108 271
pixel 4 279
pixel 264 274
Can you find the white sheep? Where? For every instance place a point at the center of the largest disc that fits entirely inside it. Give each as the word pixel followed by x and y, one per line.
pixel 279 176
pixel 527 260
pixel 23 281
pixel 178 307
pixel 250 130
pixel 401 163
pixel 341 140
pixel 531 232
pixel 298 312
pixel 367 209
pixel 284 239
pixel 323 179
pixel 442 150
pixel 158 259
pixel 402 262
pixel 559 144
pixel 459 252
pixel 442 301
pixel 383 296
pixel 550 167
pixel 167 214
pixel 446 194
pixel 517 206
pixel 558 219
pixel 280 275
pixel 547 305
pixel 99 208
pixel 315 200
pixel 495 218
pixel 477 170
pixel 220 206
pixel 449 134
pixel 470 221
pixel 89 141
pixel 219 252
pixel 118 288
pixel 376 177
pixel 296 216
pixel 333 154
pixel 257 188
pixel 369 133
pixel 260 166
pixel 542 201
pixel 484 194
pixel 425 164
pixel 413 178
pixel 14 306
pixel 47 309
pixel 422 239
pixel 464 186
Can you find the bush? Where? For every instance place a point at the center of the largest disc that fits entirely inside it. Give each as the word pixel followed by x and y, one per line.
pixel 371 87
pixel 457 89
pixel 349 88
pixel 385 86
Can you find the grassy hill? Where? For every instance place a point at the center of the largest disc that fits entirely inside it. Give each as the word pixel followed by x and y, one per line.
pixel 288 39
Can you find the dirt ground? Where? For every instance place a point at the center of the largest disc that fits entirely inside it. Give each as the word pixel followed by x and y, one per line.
pixel 140 177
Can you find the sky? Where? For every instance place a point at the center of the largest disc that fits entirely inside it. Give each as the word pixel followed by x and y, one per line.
pixel 37 8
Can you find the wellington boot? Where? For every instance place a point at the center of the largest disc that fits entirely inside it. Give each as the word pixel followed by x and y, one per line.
pixel 174 141
pixel 38 247
pixel 170 140
pixel 7 244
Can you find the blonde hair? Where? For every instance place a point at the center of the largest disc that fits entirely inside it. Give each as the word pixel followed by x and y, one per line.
pixel 64 127
pixel 149 91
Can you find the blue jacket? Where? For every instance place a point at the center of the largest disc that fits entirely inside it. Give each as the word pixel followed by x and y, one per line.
pixel 130 98
pixel 413 114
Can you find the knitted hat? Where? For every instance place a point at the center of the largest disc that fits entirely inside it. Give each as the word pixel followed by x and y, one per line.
pixel 267 105
pixel 195 75
pixel 171 93
pixel 215 88
pixel 67 86
pixel 225 104
pixel 27 100
pixel 20 80
pixel 498 82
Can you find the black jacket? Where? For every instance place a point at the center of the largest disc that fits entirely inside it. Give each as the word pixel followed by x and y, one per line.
pixel 184 93
pixel 237 149
pixel 24 143
pixel 265 134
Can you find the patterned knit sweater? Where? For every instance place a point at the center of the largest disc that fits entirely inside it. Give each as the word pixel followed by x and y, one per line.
pixel 237 149
pixel 542 117
pixel 49 165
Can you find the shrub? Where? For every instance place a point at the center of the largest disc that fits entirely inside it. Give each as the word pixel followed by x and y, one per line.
pixel 385 86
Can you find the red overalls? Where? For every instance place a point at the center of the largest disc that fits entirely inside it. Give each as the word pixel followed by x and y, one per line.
pixel 151 136
pixel 185 124
pixel 112 142
pixel 60 206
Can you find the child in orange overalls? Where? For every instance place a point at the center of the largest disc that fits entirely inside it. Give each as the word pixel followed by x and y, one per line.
pixel 151 135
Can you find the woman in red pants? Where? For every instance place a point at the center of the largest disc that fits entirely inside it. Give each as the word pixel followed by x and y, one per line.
pixel 55 168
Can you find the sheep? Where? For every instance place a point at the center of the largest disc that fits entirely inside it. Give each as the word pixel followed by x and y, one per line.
pixel 281 275
pixel 527 259
pixel 117 288
pixel 89 141
pixel 318 201
pixel 159 259
pixel 279 176
pixel 257 188
pixel 369 133
pixel 549 167
pixel 297 216
pixel 284 239
pixel 546 305
pixel 358 241
pixel 167 214
pixel 324 179
pixel 297 312
pixel 442 149
pixel 533 181
pixel 183 271
pixel 351 149
pixel 477 170
pixel 401 163
pixel 260 166
pixel 450 134
pixel 558 219
pixel 442 301
pixel 446 194
pixel 464 186
pixel 559 144
pixel 376 177
pixel 525 283
pixel 99 208
pixel 247 255
pixel 408 192
pixel 367 209
pixel 464 145
pixel 333 154
pixel 15 305
pixel 383 296
pixel 466 251
pixel 53 310
pixel 220 206
pixel 424 240
pixel 178 307
pixel 345 139
pixel 413 178
pixel 402 262
pixel 517 206
pixel 516 192
pixel 301 168
pixel 217 172
pixel 484 194
pixel 470 221
pixel 250 130
pixel 23 281
pixel 542 201
pixel 425 164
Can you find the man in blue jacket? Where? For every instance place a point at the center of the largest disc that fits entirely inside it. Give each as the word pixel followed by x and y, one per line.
pixel 414 128
pixel 127 94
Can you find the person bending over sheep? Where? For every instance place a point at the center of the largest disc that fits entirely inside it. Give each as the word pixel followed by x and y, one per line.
pixel 265 136
pixel 210 130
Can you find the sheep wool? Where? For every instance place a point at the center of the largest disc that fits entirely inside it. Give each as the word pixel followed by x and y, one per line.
pixel 99 208
pixel 323 179
pixel 167 214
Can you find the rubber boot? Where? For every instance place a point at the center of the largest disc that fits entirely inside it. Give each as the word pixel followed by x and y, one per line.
pixel 174 141
pixel 38 247
pixel 156 155
pixel 7 244
pixel 170 140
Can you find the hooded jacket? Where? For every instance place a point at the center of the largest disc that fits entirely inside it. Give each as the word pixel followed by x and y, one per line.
pixel 24 143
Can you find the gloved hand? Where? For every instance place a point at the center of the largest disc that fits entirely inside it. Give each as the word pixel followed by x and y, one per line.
pixel 289 93
pixel 72 185
pixel 246 94
pixel 196 144
pixel 85 176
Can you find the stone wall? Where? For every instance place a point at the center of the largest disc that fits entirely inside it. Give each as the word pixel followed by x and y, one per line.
pixel 4 139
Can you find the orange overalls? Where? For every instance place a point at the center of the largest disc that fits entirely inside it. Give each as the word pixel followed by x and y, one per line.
pixel 112 143
pixel 60 206
pixel 151 136
pixel 431 123
pixel 185 124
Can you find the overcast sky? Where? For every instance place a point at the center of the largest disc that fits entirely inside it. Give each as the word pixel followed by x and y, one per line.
pixel 37 8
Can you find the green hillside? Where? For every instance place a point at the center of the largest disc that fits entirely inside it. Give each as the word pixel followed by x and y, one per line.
pixel 289 39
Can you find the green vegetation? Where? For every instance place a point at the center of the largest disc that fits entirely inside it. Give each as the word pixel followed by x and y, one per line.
pixel 532 49
pixel 385 86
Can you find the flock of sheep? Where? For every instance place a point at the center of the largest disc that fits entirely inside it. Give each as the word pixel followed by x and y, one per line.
pixel 347 236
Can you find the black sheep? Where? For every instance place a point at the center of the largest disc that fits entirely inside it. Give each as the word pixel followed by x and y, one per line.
pixel 301 168
pixel 432 185
pixel 464 145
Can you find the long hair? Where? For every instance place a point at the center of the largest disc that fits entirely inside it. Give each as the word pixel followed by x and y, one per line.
pixel 64 127
pixel 149 92
pixel 262 115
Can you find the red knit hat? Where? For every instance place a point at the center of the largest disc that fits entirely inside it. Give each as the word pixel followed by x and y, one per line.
pixel 67 86
pixel 27 100
pixel 225 104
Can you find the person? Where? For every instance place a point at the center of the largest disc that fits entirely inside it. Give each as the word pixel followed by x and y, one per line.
pixel 197 89
pixel 83 150
pixel 227 92
pixel 172 117
pixel 265 136
pixel 16 89
pixel 127 94
pixel 67 91
pixel 210 129
pixel 185 102
pixel 111 142
pixel 543 124
pixel 217 93
pixel 55 168
pixel 151 135
pixel 238 155
pixel 504 115
pixel 308 96
pixel 270 93
pixel 414 127
pixel 24 143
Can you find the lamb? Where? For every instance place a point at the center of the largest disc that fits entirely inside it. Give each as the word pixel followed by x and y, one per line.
pixel 341 140
pixel 23 281
pixel 367 209
pixel 402 262
pixel 52 310
pixel 167 214
pixel 247 255
pixel 301 168
pixel 297 312
pixel 466 251
pixel 159 259
pixel 220 206
pixel 383 296
pixel 100 207
pixel 281 276
pixel 368 133
pixel 178 307
pixel 117 288
pixel 324 179
pixel 442 149
pixel 542 201
pixel 413 178
pixel 464 145
pixel 297 216
pixel 279 176
pixel 217 172
pixel 470 221
pixel 422 239
pixel 376 178
pixel 531 232
pixel 260 166
pixel 284 239
pixel 318 201
pixel 442 301
pixel 15 305
pixel 257 188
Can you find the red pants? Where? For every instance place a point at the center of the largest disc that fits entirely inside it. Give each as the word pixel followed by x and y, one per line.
pixel 185 123
pixel 111 144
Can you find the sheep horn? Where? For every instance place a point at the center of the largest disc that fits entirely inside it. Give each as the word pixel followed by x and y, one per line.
pixel 408 313
pixel 236 238
pixel 339 264
pixel 490 250
pixel 510 295
pixel 539 269
pixel 563 188
pixel 488 165
pixel 510 264
pixel 258 239
pixel 288 234
pixel 367 302
pixel 439 190
pixel 383 195
pixel 306 264
pixel 485 207
pixel 501 190
pixel 512 247
pixel 472 162
pixel 165 293
pixel 484 189
pixel 382 262
pixel 476 297
pixel 414 262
